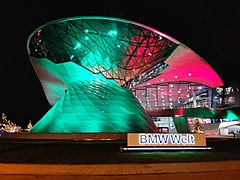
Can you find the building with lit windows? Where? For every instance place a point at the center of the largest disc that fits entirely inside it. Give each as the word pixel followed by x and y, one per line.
pixel 103 74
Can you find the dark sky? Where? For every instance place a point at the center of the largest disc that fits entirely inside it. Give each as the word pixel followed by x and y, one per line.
pixel 210 28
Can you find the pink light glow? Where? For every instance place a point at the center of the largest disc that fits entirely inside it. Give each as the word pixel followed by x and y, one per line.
pixel 182 61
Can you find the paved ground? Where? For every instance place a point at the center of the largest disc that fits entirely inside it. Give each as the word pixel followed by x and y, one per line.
pixel 54 160
pixel 226 170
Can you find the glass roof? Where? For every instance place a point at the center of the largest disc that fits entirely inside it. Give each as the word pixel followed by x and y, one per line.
pixel 119 50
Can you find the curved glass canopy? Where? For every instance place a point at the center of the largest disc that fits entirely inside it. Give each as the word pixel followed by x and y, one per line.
pixel 118 49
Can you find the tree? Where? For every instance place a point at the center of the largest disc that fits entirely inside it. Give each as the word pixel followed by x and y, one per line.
pixel 197 127
pixel 29 126
pixel 8 126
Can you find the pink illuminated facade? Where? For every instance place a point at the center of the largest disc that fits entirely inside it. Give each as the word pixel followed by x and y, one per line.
pixel 188 81
pixel 187 66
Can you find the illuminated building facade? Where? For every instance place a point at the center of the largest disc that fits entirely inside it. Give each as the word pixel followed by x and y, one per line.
pixel 101 74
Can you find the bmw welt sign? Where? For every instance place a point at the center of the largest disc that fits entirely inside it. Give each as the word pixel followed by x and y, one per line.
pixel 164 139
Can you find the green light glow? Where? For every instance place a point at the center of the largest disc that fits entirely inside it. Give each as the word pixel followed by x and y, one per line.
pixel 181 124
pixel 77 46
pixel 231 115
pixel 95 106
pixel 112 33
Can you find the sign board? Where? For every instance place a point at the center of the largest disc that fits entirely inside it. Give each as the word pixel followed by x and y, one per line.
pixel 165 139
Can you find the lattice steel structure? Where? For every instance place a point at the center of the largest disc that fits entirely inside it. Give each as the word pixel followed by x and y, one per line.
pixel 117 49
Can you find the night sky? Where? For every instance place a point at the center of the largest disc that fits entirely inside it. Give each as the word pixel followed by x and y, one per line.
pixel 210 28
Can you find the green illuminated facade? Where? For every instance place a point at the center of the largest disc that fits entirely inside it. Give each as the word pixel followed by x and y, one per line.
pixel 88 102
pixel 95 106
pixel 87 65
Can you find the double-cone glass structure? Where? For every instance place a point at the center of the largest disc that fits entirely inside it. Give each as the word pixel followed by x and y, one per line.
pixel 88 65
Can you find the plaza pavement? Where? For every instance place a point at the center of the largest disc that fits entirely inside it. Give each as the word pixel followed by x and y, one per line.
pixel 220 170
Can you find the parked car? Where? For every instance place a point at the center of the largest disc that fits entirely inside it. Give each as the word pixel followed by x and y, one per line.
pixel 234 129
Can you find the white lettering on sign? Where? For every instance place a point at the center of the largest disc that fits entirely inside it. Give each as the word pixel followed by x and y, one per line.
pixel 153 138
pixel 164 139
pixel 181 139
